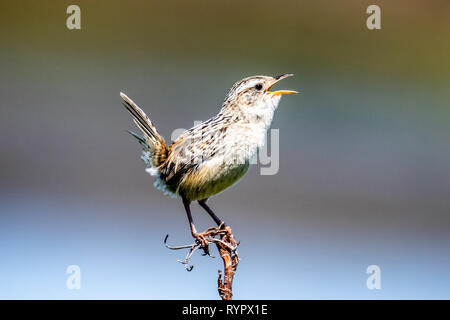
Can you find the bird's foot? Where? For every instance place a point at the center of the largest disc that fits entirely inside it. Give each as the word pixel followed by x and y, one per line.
pixel 201 239
pixel 222 236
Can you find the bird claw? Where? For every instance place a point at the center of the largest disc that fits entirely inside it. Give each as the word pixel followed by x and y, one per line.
pixel 202 241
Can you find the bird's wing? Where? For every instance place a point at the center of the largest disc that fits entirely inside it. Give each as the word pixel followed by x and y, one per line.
pixel 195 147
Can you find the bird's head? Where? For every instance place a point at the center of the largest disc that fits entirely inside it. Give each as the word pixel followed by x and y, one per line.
pixel 254 95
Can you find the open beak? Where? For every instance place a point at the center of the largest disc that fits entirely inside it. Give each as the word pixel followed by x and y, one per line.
pixel 277 79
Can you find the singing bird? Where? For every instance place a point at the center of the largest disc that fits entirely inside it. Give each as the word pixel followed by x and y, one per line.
pixel 214 154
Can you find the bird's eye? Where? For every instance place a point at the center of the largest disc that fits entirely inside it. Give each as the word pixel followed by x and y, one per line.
pixel 258 86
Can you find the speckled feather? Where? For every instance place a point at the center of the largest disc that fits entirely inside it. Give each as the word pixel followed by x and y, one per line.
pixel 213 155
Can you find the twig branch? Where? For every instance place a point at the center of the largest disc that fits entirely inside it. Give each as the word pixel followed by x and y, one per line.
pixel 227 249
pixel 226 245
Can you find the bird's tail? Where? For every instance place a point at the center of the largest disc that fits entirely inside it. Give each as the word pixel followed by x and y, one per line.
pixel 155 148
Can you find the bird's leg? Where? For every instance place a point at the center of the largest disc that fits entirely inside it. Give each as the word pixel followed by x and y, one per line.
pixel 200 237
pixel 216 219
pixel 222 230
pixel 203 239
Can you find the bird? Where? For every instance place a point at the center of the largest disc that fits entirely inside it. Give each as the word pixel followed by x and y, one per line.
pixel 213 155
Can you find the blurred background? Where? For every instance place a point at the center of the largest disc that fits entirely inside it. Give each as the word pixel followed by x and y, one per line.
pixel 364 175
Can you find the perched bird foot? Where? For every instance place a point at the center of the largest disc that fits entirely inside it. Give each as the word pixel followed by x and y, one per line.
pixel 221 236
pixel 202 241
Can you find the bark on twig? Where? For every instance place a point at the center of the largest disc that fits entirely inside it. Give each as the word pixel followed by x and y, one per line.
pixel 230 262
pixel 226 246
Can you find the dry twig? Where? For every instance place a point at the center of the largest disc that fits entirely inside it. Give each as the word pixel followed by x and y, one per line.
pixel 227 245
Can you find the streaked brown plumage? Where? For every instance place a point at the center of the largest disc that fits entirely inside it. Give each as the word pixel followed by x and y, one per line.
pixel 213 155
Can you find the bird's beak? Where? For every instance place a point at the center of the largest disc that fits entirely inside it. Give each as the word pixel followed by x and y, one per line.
pixel 277 79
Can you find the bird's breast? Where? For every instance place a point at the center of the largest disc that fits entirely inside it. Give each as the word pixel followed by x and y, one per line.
pixel 219 164
pixel 210 178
